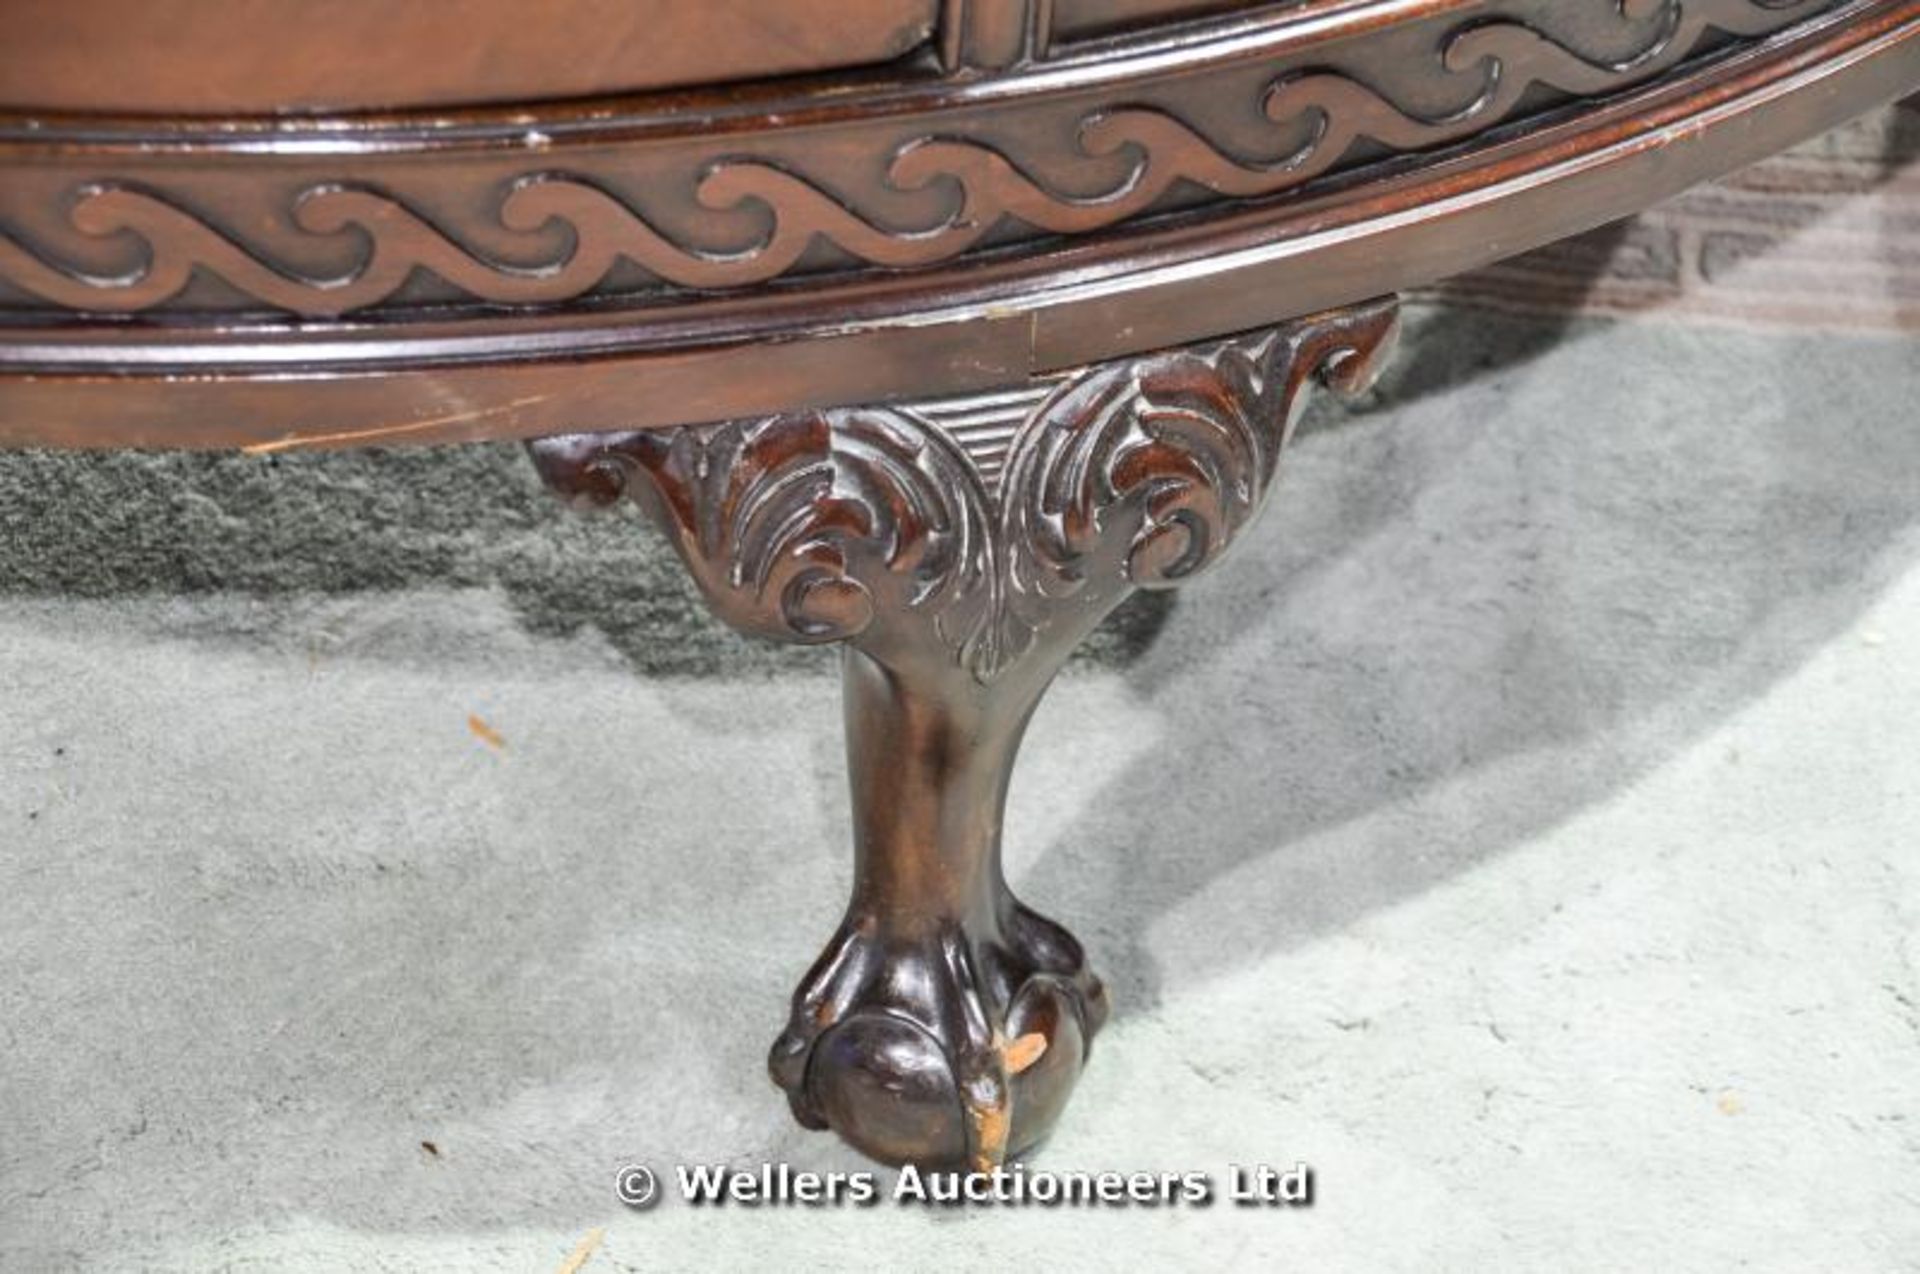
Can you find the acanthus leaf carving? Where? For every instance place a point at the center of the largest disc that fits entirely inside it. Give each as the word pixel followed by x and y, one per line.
pixel 872 526
pixel 802 527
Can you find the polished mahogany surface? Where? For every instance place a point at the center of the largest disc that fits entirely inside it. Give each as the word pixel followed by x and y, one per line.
pixel 1007 201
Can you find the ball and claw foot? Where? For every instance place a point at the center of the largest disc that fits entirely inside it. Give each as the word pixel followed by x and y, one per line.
pixel 946 1024
pixel 863 1054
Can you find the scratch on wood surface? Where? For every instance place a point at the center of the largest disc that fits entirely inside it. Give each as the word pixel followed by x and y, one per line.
pixel 485 733
pixel 1024 1052
pixel 385 431
pixel 578 1258
pixel 990 1128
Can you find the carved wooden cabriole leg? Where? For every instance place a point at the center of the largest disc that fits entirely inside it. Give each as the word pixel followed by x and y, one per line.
pixel 961 562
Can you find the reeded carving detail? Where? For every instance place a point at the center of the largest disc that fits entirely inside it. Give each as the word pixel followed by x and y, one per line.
pixel 946 1023
pixel 1333 111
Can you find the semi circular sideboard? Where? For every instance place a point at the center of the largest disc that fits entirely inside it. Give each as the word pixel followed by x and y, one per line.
pixel 929 327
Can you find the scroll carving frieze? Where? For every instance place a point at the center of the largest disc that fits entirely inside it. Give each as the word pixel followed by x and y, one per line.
pixel 1317 116
pixel 873 525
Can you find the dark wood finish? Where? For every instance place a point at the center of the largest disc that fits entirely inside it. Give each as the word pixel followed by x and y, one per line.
pixel 1081 19
pixel 986 320
pixel 991 34
pixel 717 192
pixel 963 293
pixel 960 578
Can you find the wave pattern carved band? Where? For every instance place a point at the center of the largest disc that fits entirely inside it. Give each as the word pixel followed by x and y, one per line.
pixel 1318 116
